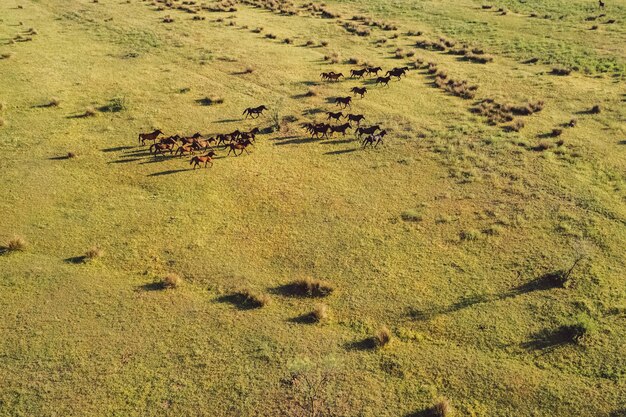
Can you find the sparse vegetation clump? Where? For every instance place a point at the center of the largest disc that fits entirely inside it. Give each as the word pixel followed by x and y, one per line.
pixel 441 408
pixel 311 287
pixel 171 281
pixel 249 298
pixel 382 337
pixel 93 253
pixel 15 244
pixel 320 313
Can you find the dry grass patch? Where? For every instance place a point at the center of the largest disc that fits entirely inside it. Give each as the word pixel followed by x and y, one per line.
pixel 15 244
pixel 171 281
pixel 94 252
pixel 310 287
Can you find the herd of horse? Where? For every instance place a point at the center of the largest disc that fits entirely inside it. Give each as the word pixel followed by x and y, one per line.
pixel 238 141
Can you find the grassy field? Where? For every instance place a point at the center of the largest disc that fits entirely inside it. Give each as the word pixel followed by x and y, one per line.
pixel 451 235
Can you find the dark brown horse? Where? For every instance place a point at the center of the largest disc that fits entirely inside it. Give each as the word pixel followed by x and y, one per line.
pixel 254 111
pixel 340 129
pixel 367 130
pixel 205 159
pixel 333 76
pixel 373 70
pixel 358 73
pixel 343 102
pixel 383 80
pixel 143 137
pixel 359 90
pixel 187 148
pixel 238 146
pixel 397 72
pixel 160 148
pixel 355 118
pixel 335 116
pixel 374 140
pixel 250 134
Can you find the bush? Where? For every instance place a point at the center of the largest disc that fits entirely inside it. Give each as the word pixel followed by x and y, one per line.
pixel 595 109
pixel 470 235
pixel 89 112
pixel 320 313
pixel 252 298
pixel 54 102
pixel 382 337
pixel 93 252
pixel 7 55
pixel 312 287
pixel 580 329
pixel 411 216
pixel 441 408
pixel 171 281
pixel 16 244
pixel 561 71
pixel 311 92
pixel 71 155
pixel 324 43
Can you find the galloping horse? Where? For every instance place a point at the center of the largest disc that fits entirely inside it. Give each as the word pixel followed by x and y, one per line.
pixel 359 90
pixel 358 73
pixel 238 146
pixel 335 116
pixel 252 111
pixel 206 159
pixel 398 72
pixel 355 118
pixel 373 70
pixel 374 140
pixel 383 80
pixel 143 137
pixel 343 102
pixel 366 130
pixel 340 129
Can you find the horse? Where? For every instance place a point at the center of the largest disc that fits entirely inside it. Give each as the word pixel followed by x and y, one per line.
pixel 358 73
pixel 333 76
pixel 343 102
pixel 398 72
pixel 326 75
pixel 383 80
pixel 186 148
pixel 238 146
pixel 366 130
pixel 335 116
pixel 359 90
pixel 316 129
pixel 252 111
pixel 340 129
pixel 355 118
pixel 374 140
pixel 197 160
pixel 373 70
pixel 143 137
pixel 249 135
pixel 160 148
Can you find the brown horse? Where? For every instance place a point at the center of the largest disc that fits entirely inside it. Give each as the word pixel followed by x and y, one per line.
pixel 343 102
pixel 249 135
pixel 355 118
pixel 358 73
pixel 160 148
pixel 143 137
pixel 367 130
pixel 334 77
pixel 359 90
pixel 254 111
pixel 206 159
pixel 335 116
pixel 373 70
pixel 238 146
pixel 383 80
pixel 374 140
pixel 187 148
pixel 397 72
pixel 340 129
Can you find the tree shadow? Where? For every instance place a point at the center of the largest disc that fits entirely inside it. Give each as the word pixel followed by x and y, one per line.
pixel 169 172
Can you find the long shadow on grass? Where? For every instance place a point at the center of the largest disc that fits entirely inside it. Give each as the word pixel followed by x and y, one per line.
pixel 228 120
pixel 365 344
pixel 124 161
pixel 151 286
pixel 59 158
pixel 117 149
pixel 549 339
pixel 238 301
pixel 307 318
pixel 295 141
pixel 341 152
pixel 337 141
pixel 76 260
pixel 169 172
pixel 545 282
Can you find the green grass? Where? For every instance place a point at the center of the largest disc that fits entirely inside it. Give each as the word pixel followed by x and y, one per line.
pixel 442 235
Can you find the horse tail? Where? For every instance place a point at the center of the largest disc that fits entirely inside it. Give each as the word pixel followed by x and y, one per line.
pixel 245 111
pixel 139 138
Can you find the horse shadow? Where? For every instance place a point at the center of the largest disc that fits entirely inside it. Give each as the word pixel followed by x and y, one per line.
pixel 341 152
pixel 117 148
pixel 151 286
pixel 169 172
pixel 59 158
pixel 622 142
pixel 228 120
pixel 296 141
pixel 549 339
pixel 124 161
pixel 337 141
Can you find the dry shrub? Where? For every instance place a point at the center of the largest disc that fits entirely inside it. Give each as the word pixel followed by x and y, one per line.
pixel 16 244
pixel 595 109
pixel 382 337
pixel 309 43
pixel 171 281
pixel 561 71
pixel 516 126
pixel 320 313
pixel 441 408
pixel 7 55
pixel 556 133
pixel 353 61
pixel 71 155
pixel 94 252
pixel 572 123
pixel 90 112
pixel 54 102
pixel 324 43
pixel 248 70
pixel 257 30
pixel 251 298
pixel 312 287
pixel 311 93
pixel 288 41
